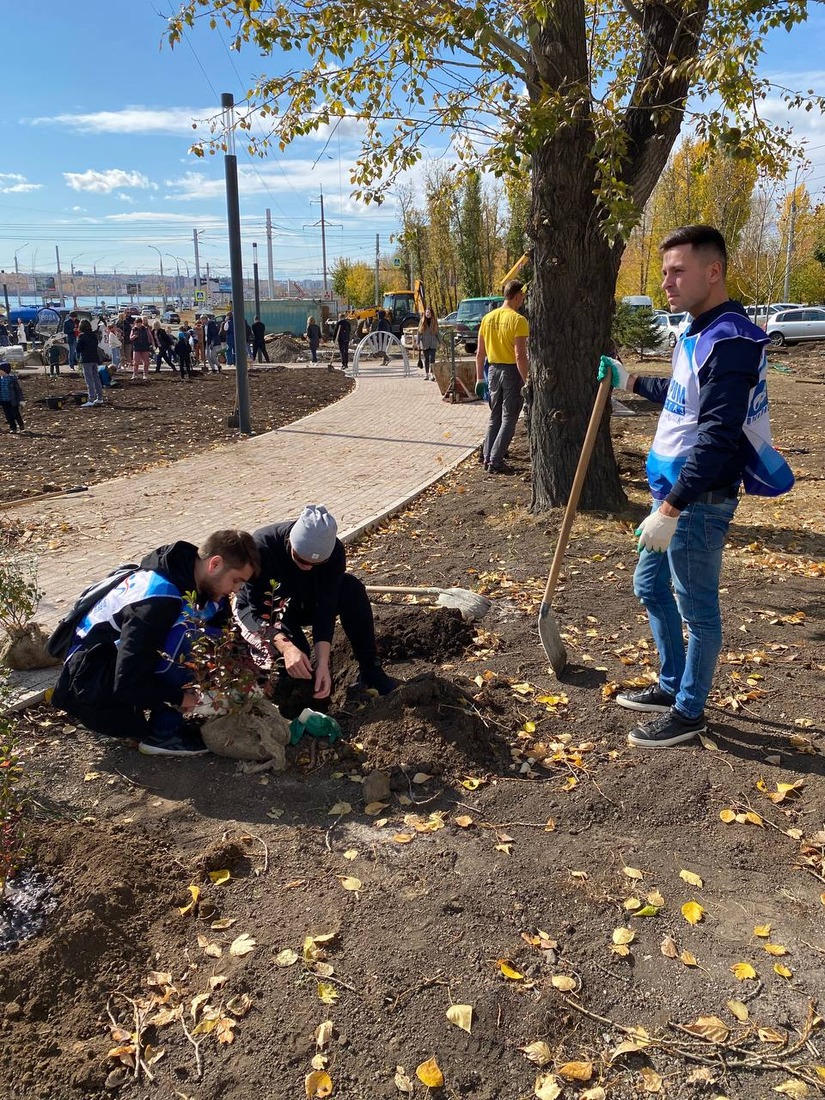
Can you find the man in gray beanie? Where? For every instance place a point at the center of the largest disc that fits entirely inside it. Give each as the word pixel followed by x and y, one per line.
pixel 307 562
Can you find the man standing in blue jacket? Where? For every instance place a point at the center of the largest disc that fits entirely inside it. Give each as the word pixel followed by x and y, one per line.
pixel 713 434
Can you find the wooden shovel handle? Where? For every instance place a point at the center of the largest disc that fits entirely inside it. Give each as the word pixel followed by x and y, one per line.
pixel 576 490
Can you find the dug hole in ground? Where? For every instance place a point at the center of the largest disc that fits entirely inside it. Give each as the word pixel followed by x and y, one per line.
pixel 528 906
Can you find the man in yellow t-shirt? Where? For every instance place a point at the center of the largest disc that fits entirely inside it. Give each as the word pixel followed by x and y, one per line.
pixel 502 341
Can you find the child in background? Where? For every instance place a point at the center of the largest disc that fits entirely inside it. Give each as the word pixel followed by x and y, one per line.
pixel 54 357
pixel 183 350
pixel 11 398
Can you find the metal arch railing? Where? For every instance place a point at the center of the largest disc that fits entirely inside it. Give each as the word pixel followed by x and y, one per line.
pixel 380 343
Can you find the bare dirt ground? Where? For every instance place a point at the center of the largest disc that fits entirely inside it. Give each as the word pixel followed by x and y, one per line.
pixel 145 424
pixel 604 923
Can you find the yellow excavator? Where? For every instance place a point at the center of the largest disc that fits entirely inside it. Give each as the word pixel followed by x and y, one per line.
pixel 403 308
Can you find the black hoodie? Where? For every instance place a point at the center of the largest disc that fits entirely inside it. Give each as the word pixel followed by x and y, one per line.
pixel 142 629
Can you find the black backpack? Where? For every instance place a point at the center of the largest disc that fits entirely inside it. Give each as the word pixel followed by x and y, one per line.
pixel 61 638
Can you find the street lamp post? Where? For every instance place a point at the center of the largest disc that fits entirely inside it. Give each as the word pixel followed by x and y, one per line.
pixel 255 278
pixel 177 276
pixel 182 260
pixel 162 283
pixel 17 272
pixel 74 288
pixel 233 218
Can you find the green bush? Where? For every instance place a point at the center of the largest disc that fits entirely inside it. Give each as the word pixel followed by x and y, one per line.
pixel 636 328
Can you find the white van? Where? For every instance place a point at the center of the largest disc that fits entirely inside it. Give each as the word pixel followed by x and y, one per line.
pixel 638 301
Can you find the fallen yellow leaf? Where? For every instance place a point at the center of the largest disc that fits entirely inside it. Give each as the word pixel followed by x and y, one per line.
pixel 538 1052
pixel 693 912
pixel 563 982
pixel 464 821
pixel 576 1071
pixel 429 1074
pixel 691 879
pixel 547 1087
pixel 195 891
pixel 350 883
pixel 739 1010
pixel 421 777
pixel 403 838
pixel 340 808
pixel 727 816
pixel 782 971
pixel 775 949
pixel 508 970
pixel 743 972
pixel 461 1016
pixel 710 1028
pixel 652 1082
pixel 471 783
pixel 318 1083
pixel 327 992
pixel 632 872
pixel 242 945
pixel 351 853
pixel 687 959
pixel 623 935
pixel 220 877
pixel 763 930
pixel 797 1090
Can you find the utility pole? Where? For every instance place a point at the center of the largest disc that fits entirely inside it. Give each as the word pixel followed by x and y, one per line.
pixel 233 217
pixel 197 262
pixel 255 279
pixel 323 224
pixel 786 286
pixel 17 272
pixel 377 284
pixel 270 271
pixel 59 276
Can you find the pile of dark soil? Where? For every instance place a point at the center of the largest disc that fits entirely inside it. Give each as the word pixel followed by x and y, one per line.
pixel 285 348
pixel 146 424
pixel 410 633
pixel 428 725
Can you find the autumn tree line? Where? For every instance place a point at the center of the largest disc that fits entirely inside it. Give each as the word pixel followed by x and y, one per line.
pixel 461 235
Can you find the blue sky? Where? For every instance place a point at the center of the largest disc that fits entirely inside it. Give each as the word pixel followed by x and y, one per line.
pixel 96 127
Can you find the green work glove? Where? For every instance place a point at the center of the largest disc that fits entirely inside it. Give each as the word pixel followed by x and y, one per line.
pixel 618 375
pixel 315 724
pixel 481 389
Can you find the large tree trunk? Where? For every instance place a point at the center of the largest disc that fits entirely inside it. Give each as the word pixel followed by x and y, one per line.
pixel 571 307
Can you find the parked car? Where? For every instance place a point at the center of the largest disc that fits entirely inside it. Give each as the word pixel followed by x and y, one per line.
pixel 761 314
pixel 170 317
pixel 793 326
pixel 468 318
pixel 450 319
pixel 675 325
pixel 150 311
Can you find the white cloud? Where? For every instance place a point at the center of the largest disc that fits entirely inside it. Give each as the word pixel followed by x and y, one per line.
pixel 125 198
pixel 159 216
pixel 79 209
pixel 103 183
pixel 12 183
pixel 134 120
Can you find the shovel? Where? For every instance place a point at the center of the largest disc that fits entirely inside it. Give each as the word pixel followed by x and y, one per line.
pixel 471 605
pixel 548 630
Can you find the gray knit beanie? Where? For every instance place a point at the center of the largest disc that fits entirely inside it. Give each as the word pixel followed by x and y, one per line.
pixel 313 534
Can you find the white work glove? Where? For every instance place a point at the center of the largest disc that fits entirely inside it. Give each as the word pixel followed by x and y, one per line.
pixel 655 532
pixel 618 375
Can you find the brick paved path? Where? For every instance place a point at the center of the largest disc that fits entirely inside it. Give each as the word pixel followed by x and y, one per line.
pixel 361 456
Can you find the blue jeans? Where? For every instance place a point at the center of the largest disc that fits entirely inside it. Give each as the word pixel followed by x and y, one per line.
pixel 72 353
pixel 682 586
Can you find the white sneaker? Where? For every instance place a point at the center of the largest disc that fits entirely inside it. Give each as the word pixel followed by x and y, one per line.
pixel 98 402
pixel 87 405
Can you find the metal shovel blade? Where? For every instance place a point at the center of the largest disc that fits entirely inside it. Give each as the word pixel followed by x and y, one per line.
pixel 472 606
pixel 551 639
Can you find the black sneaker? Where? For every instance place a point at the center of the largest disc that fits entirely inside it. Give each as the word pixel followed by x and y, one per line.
pixel 185 743
pixel 666 730
pixel 378 680
pixel 501 468
pixel 649 698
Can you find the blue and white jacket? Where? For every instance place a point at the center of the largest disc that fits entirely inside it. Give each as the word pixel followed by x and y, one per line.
pixel 714 430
